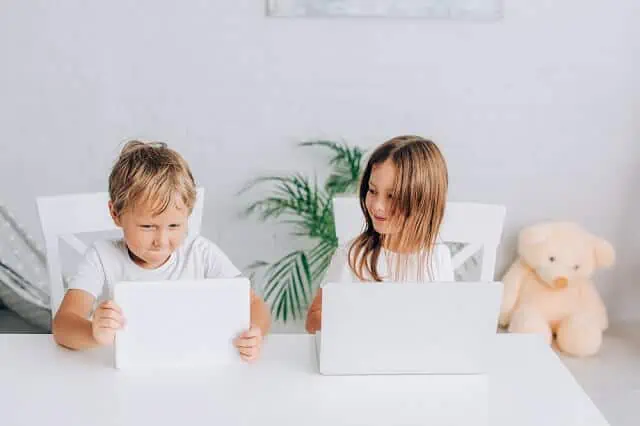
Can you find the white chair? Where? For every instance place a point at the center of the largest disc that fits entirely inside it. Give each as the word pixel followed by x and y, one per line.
pixel 477 226
pixel 62 216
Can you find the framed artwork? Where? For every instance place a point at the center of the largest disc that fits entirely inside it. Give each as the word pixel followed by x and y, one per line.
pixel 433 9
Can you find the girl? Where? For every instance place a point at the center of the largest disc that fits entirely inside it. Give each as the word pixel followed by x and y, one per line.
pixel 402 194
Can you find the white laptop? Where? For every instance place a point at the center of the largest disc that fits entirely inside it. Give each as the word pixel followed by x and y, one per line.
pixel 407 328
pixel 181 323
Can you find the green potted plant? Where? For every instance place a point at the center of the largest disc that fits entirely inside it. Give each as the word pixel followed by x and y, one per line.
pixel 295 199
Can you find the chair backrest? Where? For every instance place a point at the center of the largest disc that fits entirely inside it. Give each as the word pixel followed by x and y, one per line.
pixel 63 216
pixel 477 226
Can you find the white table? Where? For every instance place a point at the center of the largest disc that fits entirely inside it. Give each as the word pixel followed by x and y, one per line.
pixel 44 385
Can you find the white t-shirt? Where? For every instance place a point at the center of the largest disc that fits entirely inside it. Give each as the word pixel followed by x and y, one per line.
pixel 441 268
pixel 107 262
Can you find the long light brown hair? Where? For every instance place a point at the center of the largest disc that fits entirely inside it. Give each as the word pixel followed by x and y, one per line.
pixel 417 207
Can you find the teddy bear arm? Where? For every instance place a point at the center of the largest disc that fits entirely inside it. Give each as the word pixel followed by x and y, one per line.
pixel 512 282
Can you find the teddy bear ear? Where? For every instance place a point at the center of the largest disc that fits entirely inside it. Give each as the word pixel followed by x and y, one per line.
pixel 604 253
pixel 534 234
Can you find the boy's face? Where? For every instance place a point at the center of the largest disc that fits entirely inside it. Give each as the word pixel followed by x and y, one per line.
pixel 152 239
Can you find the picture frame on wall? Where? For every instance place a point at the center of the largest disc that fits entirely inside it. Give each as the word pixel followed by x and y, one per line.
pixel 426 9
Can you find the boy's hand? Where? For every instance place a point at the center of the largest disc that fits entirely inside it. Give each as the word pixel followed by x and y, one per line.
pixel 107 320
pixel 249 343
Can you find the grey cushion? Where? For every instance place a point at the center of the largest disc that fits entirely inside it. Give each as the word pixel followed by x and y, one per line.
pixel 23 275
pixel 11 323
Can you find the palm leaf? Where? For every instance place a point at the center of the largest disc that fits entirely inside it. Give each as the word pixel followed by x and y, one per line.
pixel 346 162
pixel 288 286
pixel 257 265
pixel 319 260
pixel 297 200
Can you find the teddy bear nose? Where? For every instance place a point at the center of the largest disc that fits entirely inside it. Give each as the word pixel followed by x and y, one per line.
pixel 561 282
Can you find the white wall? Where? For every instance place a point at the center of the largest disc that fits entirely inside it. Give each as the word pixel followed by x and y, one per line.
pixel 539 111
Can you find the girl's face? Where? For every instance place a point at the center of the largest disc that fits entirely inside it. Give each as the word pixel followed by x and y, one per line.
pixel 380 197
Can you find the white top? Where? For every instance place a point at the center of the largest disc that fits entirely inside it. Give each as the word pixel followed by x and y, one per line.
pixel 441 268
pixel 75 388
pixel 107 262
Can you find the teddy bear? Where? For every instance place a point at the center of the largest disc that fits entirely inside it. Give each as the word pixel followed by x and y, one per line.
pixel 548 289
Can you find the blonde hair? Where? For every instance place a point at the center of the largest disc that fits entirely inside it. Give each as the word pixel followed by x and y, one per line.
pixel 418 204
pixel 150 174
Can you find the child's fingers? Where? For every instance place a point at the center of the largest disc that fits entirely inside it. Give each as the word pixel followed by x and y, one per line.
pixel 108 313
pixel 107 309
pixel 247 342
pixel 245 351
pixel 249 354
pixel 108 323
pixel 110 304
pixel 111 315
pixel 249 358
pixel 252 333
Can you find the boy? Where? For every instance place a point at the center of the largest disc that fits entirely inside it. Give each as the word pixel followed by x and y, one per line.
pixel 152 193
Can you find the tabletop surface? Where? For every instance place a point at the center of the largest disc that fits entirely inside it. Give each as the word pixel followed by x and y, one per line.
pixel 43 384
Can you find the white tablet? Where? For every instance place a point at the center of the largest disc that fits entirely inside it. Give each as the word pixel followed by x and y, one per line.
pixel 186 324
